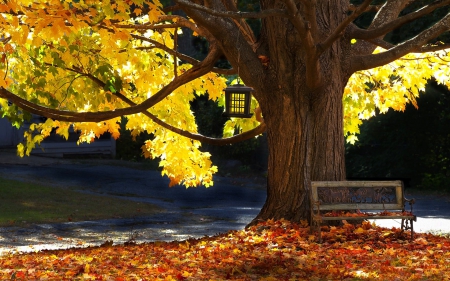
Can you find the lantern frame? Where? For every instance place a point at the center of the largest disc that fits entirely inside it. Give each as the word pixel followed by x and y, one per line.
pixel 238 101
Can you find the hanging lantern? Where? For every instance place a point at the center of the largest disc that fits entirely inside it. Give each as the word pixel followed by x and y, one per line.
pixel 237 101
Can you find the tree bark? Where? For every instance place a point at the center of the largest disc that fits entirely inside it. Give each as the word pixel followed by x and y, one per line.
pixel 306 143
pixel 299 89
pixel 304 125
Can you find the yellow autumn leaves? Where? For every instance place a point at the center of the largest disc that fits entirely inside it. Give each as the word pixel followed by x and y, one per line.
pixel 391 86
pixel 80 56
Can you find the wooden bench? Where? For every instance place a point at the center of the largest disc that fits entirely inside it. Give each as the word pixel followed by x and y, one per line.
pixel 359 200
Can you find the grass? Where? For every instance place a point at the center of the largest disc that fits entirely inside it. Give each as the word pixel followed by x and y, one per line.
pixel 23 203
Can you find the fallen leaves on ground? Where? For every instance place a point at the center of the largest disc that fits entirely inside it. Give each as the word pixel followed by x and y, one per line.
pixel 273 250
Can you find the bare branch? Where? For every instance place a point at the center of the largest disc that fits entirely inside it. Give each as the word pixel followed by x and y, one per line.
pixel 337 33
pixel 370 8
pixel 233 15
pixel 312 65
pixel 173 8
pixel 214 141
pixel 387 27
pixel 415 44
pixel 302 26
pixel 179 22
pixel 434 48
pixel 311 18
pixel 388 12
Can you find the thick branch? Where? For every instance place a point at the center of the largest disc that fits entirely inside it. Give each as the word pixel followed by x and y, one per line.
pixel 302 26
pixel 312 64
pixel 311 17
pixel 233 15
pixel 214 141
pixel 424 49
pixel 388 12
pixel 387 27
pixel 413 45
pixel 370 8
pixel 337 33
pixel 434 48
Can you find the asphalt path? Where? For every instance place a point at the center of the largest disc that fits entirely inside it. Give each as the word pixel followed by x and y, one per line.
pixel 187 213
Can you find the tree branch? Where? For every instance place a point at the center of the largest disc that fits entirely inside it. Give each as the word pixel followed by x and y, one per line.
pixel 179 55
pixel 388 12
pixel 337 33
pixel 415 44
pixel 214 141
pixel 311 18
pixel 195 72
pixel 180 22
pixel 233 15
pixel 434 48
pixel 204 139
pixel 370 8
pixel 313 77
pixel 387 27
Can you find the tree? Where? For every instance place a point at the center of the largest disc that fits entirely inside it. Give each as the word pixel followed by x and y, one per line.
pixel 89 62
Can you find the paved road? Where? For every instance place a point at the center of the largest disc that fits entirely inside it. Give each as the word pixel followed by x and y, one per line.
pixel 193 212
pixel 188 213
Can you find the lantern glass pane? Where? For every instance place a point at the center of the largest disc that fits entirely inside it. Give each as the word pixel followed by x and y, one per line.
pixel 237 104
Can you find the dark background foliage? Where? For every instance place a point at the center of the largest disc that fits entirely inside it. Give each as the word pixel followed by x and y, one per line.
pixel 413 145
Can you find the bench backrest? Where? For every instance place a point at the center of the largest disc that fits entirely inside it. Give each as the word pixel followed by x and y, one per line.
pixel 357 195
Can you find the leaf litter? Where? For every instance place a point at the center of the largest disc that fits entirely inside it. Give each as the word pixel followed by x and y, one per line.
pixel 271 250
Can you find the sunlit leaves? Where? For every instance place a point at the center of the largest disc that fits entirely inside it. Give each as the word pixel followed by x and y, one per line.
pixel 391 86
pixel 81 56
pixel 273 250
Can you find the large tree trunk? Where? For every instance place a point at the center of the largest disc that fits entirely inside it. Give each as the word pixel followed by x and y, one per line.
pixel 299 88
pixel 304 125
pixel 306 143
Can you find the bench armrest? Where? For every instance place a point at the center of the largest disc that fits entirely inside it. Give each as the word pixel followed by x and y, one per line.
pixel 410 202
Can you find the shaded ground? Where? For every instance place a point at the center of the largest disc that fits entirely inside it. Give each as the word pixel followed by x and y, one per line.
pixel 194 212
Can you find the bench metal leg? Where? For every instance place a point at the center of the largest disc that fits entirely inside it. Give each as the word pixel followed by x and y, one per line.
pixel 407 224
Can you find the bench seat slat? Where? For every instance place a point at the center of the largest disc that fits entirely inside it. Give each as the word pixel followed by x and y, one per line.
pixel 366 218
pixel 360 206
pixel 356 183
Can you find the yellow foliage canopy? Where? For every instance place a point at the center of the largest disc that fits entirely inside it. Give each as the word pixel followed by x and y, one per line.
pixel 92 56
pixel 391 86
pixel 83 56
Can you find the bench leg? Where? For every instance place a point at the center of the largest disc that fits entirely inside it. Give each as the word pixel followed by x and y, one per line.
pixel 315 227
pixel 412 230
pixel 408 224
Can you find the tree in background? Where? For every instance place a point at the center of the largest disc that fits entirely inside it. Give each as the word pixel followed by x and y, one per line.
pixel 87 63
